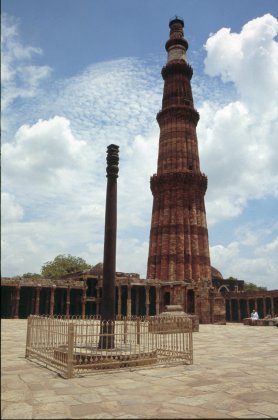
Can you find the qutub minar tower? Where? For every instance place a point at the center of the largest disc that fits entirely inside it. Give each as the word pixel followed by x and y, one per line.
pixel 179 246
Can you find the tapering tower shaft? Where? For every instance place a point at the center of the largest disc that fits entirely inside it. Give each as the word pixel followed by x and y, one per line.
pixel 179 248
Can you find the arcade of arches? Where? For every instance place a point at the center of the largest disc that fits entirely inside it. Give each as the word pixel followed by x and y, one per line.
pixel 81 295
pixel 239 305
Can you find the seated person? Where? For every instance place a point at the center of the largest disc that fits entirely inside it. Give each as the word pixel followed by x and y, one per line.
pixel 254 315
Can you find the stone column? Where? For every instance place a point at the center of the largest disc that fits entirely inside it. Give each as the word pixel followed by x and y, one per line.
pixel 98 301
pixel 157 299
pixel 264 307
pixel 248 308
pixel 37 302
pixel 182 295
pixel 272 306
pixel 83 301
pixel 128 300
pixel 185 308
pixel 147 303
pixel 17 299
pixel 137 291
pixel 47 302
pixel 119 301
pixel 230 309
pixel 238 310
pixel 211 307
pixel 68 303
pixel 172 295
pixel 198 305
pixel 62 301
pixel 52 299
pixel 33 301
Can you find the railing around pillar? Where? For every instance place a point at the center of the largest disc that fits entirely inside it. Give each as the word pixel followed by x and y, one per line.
pixel 71 346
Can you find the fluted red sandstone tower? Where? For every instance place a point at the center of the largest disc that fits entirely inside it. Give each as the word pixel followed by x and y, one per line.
pixel 179 247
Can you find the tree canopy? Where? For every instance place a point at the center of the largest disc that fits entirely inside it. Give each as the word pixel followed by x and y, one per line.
pixel 251 287
pixel 63 264
pixel 31 275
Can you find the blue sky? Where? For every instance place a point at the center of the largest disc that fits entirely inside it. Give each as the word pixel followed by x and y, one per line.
pixel 79 75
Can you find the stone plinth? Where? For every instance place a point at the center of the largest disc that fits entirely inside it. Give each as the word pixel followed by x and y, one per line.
pixel 261 322
pixel 118 357
pixel 176 311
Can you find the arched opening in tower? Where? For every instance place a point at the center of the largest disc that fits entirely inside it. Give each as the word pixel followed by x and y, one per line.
pixel 167 298
pixel 190 302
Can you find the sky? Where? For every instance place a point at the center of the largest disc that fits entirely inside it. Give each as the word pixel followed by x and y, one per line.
pixel 78 75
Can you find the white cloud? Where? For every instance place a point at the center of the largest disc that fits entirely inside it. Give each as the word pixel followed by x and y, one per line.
pixel 130 254
pixel 270 247
pixel 248 59
pixel 252 257
pixel 26 246
pixel 238 139
pixel 43 154
pixel 230 261
pixel 19 78
pixel 11 211
pixel 238 145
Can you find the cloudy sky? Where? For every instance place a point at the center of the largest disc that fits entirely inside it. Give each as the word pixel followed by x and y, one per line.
pixel 78 75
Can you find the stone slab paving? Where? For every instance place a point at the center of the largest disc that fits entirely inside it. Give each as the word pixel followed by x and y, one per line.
pixel 234 375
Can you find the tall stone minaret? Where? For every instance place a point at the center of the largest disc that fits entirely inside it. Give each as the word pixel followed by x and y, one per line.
pixel 179 247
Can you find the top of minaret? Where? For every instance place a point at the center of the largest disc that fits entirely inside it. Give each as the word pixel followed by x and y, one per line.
pixel 176 46
pixel 176 19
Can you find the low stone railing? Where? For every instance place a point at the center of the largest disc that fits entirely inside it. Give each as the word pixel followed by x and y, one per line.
pixel 261 322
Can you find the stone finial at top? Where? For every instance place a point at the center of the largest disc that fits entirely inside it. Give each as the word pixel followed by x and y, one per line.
pixel 176 46
pixel 112 159
pixel 176 21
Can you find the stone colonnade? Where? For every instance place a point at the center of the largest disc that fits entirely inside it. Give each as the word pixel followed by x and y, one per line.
pixel 239 305
pixel 132 298
pixel 21 301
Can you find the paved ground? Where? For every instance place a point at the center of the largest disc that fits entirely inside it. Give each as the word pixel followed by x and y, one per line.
pixel 234 375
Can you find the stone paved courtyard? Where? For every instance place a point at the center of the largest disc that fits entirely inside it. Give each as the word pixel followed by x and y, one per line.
pixel 234 375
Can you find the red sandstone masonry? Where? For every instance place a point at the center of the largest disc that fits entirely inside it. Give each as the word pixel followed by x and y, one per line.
pixel 179 248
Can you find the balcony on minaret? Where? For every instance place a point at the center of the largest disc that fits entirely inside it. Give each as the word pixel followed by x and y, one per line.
pixel 176 46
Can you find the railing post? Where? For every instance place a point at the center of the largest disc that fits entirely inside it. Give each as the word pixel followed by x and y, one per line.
pixel 70 350
pixel 17 299
pixel 28 336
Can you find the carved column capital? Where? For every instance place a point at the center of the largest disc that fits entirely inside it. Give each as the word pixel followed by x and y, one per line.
pixel 112 160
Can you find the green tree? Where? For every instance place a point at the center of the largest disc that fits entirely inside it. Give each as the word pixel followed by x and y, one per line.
pixel 63 264
pixel 31 275
pixel 251 287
